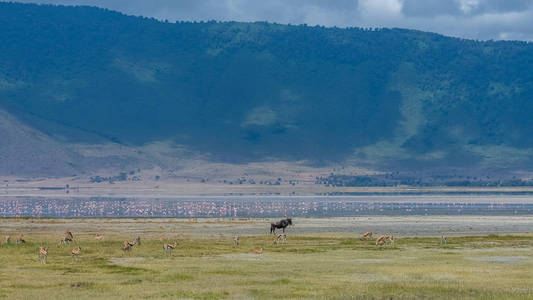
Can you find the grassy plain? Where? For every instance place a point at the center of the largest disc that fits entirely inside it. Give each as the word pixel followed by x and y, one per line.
pixel 317 265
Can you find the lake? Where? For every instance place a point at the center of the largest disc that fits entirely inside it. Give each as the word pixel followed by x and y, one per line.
pixel 264 206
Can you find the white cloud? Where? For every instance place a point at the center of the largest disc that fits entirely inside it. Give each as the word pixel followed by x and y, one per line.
pixel 468 5
pixel 380 7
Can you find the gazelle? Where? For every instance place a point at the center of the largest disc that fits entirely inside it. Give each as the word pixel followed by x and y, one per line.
pixel 43 253
pixel 65 240
pixel 281 237
pixel 69 235
pixel 382 239
pixel 76 252
pixel 443 239
pixel 236 241
pixel 137 241
pixel 367 234
pixel 98 237
pixel 169 247
pixel 258 251
pixel 20 239
pixel 128 246
pixel 8 239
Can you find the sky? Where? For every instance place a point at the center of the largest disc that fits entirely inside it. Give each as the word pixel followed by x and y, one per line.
pixel 474 19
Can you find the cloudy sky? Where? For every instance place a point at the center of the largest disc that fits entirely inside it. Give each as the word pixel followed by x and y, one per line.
pixel 478 19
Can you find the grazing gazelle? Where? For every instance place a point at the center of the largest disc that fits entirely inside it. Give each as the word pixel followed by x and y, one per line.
pixel 76 252
pixel 20 239
pixel 367 234
pixel 65 240
pixel 169 247
pixel 8 239
pixel 443 239
pixel 280 237
pixel 128 246
pixel 258 251
pixel 382 239
pixel 69 234
pixel 98 237
pixel 236 241
pixel 43 253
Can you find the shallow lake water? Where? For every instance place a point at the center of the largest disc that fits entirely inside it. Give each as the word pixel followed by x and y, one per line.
pixel 265 206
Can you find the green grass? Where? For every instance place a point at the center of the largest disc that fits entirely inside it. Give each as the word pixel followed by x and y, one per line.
pixel 311 266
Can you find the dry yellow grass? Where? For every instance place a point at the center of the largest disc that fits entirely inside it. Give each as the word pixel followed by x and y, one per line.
pixel 307 266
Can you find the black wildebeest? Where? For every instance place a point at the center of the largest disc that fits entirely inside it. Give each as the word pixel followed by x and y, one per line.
pixel 281 224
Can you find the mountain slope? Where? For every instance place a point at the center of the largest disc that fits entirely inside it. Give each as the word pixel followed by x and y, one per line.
pixel 244 92
pixel 26 151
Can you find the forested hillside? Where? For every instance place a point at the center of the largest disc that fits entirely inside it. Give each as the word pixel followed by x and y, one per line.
pixel 241 92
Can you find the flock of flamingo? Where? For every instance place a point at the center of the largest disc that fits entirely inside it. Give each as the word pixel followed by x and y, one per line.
pixel 168 248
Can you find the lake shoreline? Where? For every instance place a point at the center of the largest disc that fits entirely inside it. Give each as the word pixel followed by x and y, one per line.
pixel 406 226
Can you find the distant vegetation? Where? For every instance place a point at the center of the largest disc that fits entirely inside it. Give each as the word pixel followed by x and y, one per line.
pixel 122 176
pixel 410 180
pixel 249 91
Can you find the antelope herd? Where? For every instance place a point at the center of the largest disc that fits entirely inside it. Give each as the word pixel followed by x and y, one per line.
pixel 18 239
pixel 68 237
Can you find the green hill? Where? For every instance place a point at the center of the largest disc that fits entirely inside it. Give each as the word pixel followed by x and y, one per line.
pixel 241 92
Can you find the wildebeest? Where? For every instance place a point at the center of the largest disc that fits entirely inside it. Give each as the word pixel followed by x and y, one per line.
pixel 281 224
